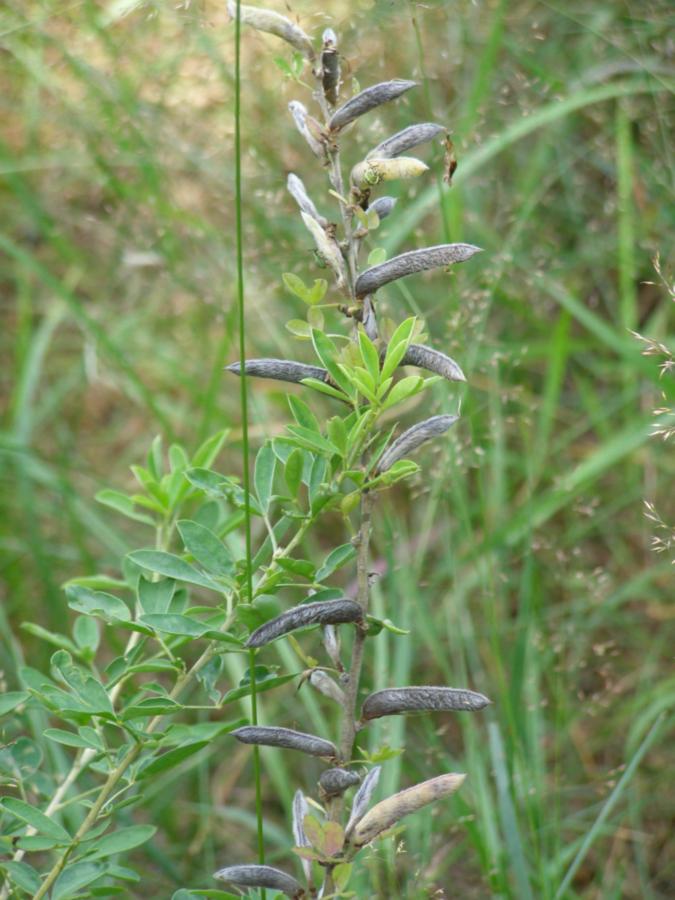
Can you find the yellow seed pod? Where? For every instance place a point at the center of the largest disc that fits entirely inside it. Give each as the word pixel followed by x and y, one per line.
pixel 372 171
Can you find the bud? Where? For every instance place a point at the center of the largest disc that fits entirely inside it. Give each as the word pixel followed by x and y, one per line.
pixel 362 798
pixel 334 782
pixel 412 438
pixel 405 140
pixel 368 99
pixel 324 684
pixel 387 813
pixel 308 127
pixel 330 67
pixel 300 810
pixel 432 360
pixel 261 876
pixel 279 369
pixel 331 641
pixel 383 206
pixel 271 22
pixel 327 247
pixel 370 172
pixel 271 736
pixel 396 701
pixel 297 190
pixel 323 612
pixel 413 261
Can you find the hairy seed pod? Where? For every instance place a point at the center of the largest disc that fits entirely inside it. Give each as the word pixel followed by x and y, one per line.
pixel 390 811
pixel 383 206
pixel 324 684
pixel 369 172
pixel 432 360
pixel 331 641
pixel 308 127
pixel 323 612
pixel 396 701
pixel 271 736
pixel 273 23
pixel 279 370
pixel 300 810
pixel 327 247
pixel 297 190
pixel 362 798
pixel 330 67
pixel 412 438
pixel 261 876
pixel 334 782
pixel 413 261
pixel 405 140
pixel 368 99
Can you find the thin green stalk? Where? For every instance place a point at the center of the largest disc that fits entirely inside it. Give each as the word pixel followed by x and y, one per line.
pixel 244 407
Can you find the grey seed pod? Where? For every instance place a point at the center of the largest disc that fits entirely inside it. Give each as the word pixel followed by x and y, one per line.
pixel 395 701
pixel 432 360
pixel 307 126
pixel 412 438
pixel 362 798
pixel 405 140
pixel 413 261
pixel 261 876
pixel 387 813
pixel 273 23
pixel 324 684
pixel 271 736
pixel 300 810
pixel 323 612
pixel 330 67
pixel 279 369
pixel 369 320
pixel 297 190
pixel 331 641
pixel 368 99
pixel 334 782
pixel 383 206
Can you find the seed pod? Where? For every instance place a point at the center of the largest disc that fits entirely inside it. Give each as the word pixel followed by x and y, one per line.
pixel 413 261
pixel 271 736
pixel 297 190
pixel 324 684
pixel 331 641
pixel 323 612
pixel 362 798
pixel 334 782
pixel 433 361
pixel 387 813
pixel 300 810
pixel 370 172
pixel 383 206
pixel 261 876
pixel 330 67
pixel 395 701
pixel 308 127
pixel 368 99
pixel 412 438
pixel 271 22
pixel 405 140
pixel 369 319
pixel 327 247
pixel 279 369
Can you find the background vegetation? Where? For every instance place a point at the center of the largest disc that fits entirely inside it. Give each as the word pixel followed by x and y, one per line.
pixel 522 558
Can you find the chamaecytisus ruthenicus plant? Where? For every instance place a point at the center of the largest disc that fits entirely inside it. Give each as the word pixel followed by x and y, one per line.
pixel 348 462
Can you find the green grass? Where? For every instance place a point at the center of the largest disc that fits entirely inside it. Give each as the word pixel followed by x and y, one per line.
pixel 520 559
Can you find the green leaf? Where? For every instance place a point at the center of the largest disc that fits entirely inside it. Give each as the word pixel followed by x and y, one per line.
pixel 86 634
pixel 23 875
pixel 172 566
pixel 155 596
pixel 74 877
pixel 337 432
pixel 261 685
pixel 58 640
pixel 180 733
pixel 317 292
pixel 335 559
pixel 153 706
pixel 324 388
pixel 68 738
pixel 295 285
pixel 171 759
pixel 123 839
pixel 302 414
pixel 311 440
pixel 39 821
pixel 403 390
pixel 175 624
pixel 11 700
pixel 341 875
pixel 263 475
pixel 293 471
pixel 97 603
pixel 210 449
pixel 397 347
pixel 122 503
pixel 206 548
pixel 299 328
pixel 376 256
pixel 327 353
pixel 370 356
